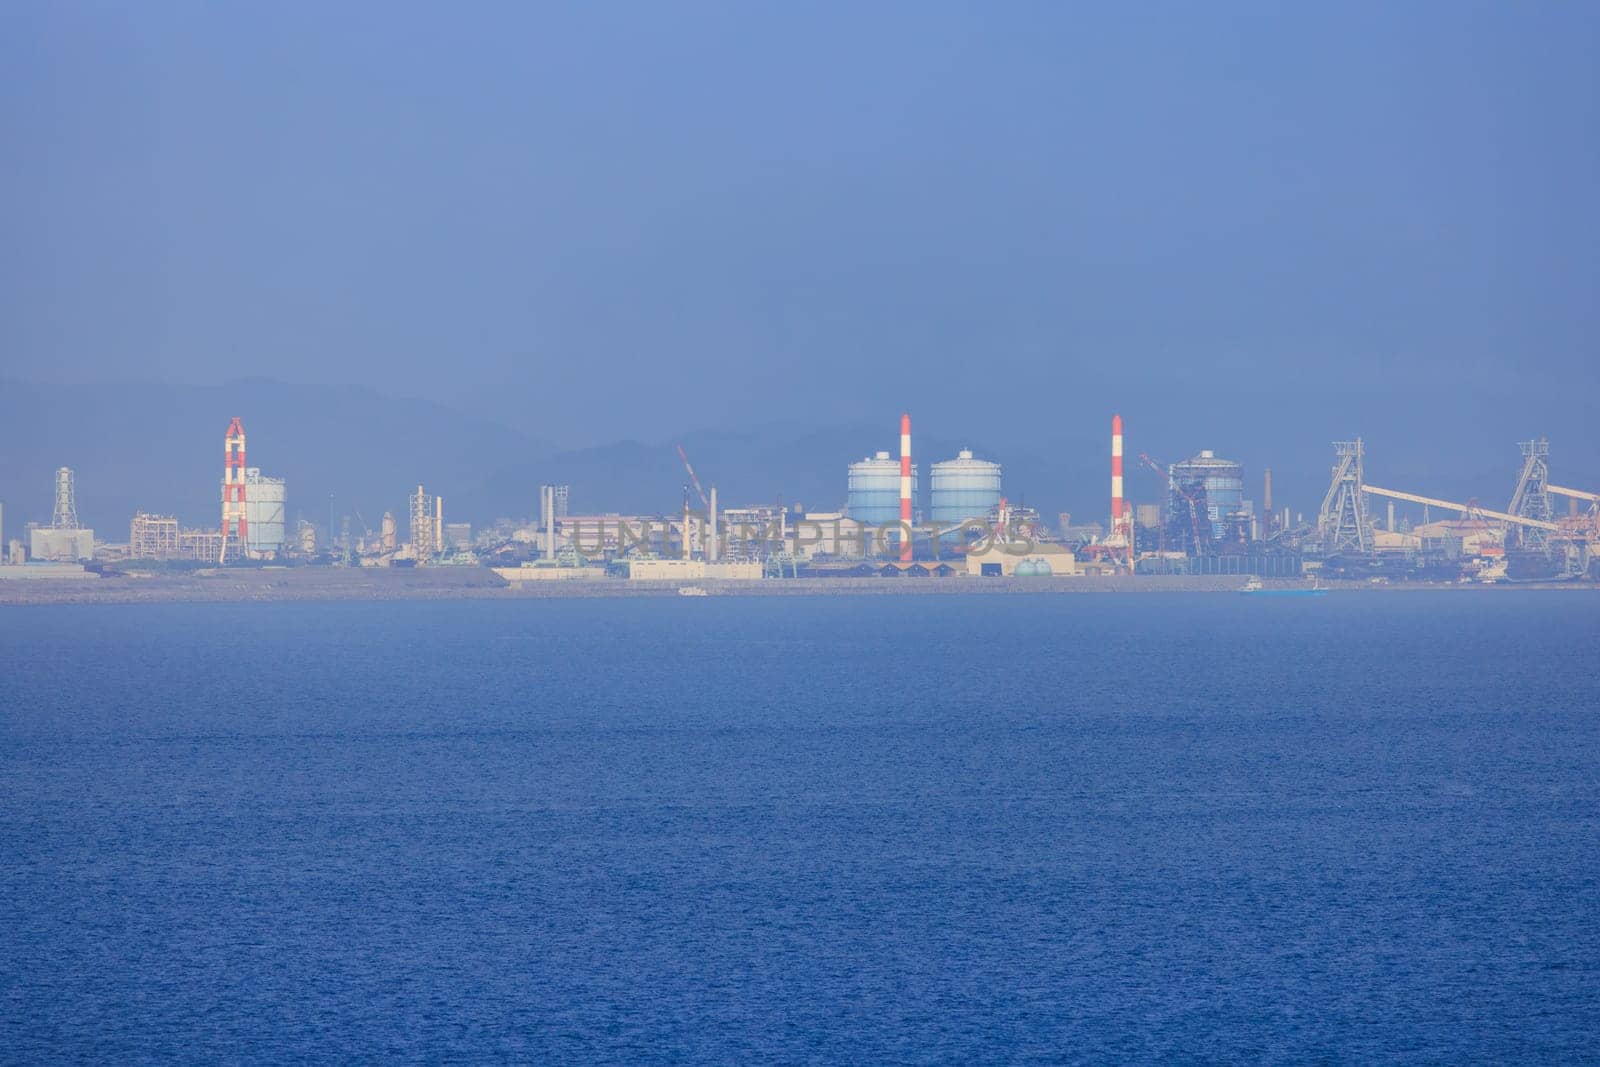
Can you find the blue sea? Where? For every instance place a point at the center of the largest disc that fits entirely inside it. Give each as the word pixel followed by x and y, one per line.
pixel 918 829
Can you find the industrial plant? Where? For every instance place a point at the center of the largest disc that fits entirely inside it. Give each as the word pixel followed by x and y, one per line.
pixel 1202 521
pixel 1528 541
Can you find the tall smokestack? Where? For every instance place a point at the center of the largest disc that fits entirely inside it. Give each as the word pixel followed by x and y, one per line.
pixel 549 505
pixel 711 547
pixel 1269 519
pixel 1120 524
pixel 235 520
pixel 905 488
pixel 1116 471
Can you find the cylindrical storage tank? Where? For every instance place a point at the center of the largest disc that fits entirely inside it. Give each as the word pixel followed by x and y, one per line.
pixel 874 490
pixel 964 488
pixel 1223 482
pixel 264 506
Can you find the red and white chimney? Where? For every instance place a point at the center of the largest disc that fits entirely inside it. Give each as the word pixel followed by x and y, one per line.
pixel 235 521
pixel 905 488
pixel 1121 515
pixel 1116 473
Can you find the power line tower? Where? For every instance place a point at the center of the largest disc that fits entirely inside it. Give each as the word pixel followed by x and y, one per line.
pixel 1532 498
pixel 66 513
pixel 1343 520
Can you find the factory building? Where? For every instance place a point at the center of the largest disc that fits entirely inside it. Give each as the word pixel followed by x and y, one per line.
pixel 542 572
pixel 1013 561
pixel 689 569
pixel 60 546
pixel 752 530
pixel 159 537
pixel 200 545
pixel 831 534
pixel 1219 485
pixel 597 536
pixel 963 488
pixel 153 536
pixel 873 490
pixel 1456 538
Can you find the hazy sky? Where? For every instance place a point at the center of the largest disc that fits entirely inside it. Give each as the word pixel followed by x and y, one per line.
pixel 641 218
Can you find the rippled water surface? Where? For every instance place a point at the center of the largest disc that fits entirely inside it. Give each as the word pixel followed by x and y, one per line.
pixel 848 830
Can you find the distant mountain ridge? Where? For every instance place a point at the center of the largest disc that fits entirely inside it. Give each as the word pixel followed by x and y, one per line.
pixel 139 445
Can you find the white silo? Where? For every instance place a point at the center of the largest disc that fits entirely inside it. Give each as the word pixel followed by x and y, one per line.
pixel 265 500
pixel 964 488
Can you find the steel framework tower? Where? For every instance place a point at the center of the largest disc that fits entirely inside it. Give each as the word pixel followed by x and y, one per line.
pixel 66 513
pixel 426 516
pixel 235 522
pixel 1343 520
pixel 1532 498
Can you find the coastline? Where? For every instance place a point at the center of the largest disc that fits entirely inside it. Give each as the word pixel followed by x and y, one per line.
pixel 373 584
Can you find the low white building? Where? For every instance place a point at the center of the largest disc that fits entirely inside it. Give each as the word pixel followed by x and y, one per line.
pixel 689 570
pixel 60 545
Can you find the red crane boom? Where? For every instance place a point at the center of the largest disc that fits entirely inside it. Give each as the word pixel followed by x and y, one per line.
pixel 704 500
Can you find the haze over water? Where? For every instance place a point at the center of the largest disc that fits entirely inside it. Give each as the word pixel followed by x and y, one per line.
pixel 868 829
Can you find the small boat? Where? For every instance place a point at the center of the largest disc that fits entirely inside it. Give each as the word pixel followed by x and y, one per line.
pixel 692 590
pixel 1253 587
